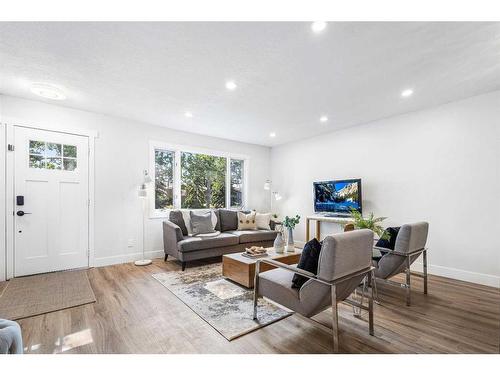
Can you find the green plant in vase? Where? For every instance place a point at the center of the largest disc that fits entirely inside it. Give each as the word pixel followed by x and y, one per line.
pixel 370 222
pixel 290 223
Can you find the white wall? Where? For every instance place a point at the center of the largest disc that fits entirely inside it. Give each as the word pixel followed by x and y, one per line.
pixel 2 197
pixel 121 154
pixel 440 165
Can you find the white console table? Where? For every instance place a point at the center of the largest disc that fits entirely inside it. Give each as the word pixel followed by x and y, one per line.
pixel 328 219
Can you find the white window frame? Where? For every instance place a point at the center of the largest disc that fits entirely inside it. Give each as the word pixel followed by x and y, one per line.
pixel 178 149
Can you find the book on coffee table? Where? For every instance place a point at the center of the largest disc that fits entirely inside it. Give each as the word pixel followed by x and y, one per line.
pixel 253 256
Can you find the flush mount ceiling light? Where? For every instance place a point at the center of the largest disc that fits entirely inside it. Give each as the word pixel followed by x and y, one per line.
pixel 323 119
pixel 272 135
pixel 406 93
pixel 318 26
pixel 231 85
pixel 48 91
pixel 188 114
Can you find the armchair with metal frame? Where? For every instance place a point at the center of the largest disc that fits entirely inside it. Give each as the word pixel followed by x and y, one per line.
pixel 410 244
pixel 345 262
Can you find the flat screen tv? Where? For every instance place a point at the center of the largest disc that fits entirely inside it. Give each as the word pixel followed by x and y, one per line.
pixel 337 197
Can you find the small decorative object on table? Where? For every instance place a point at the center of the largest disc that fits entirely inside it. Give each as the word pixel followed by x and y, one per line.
pixel 279 243
pixel 290 223
pixel 255 252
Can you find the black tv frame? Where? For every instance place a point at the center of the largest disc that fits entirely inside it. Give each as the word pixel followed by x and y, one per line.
pixel 333 213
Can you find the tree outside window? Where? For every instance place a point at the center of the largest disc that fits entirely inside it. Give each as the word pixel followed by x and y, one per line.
pixel 203 181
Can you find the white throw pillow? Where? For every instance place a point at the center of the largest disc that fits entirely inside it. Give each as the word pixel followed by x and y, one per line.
pixel 187 219
pixel 246 221
pixel 263 221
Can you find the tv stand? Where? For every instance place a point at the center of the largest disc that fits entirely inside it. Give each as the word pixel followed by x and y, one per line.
pixel 328 219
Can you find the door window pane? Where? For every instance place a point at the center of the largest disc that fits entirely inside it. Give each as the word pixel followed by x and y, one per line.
pixel 36 161
pixel 69 164
pixel 53 150
pixel 37 147
pixel 69 151
pixel 53 163
pixel 164 179
pixel 237 167
pixel 203 181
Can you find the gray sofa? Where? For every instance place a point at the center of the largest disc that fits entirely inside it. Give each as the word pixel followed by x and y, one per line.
pixel 187 248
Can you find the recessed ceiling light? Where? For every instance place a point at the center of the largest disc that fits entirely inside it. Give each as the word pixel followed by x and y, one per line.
pixel 323 119
pixel 48 91
pixel 406 93
pixel 231 85
pixel 188 114
pixel 272 135
pixel 318 26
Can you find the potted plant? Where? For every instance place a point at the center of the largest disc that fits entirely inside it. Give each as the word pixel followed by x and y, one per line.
pixel 370 222
pixel 290 223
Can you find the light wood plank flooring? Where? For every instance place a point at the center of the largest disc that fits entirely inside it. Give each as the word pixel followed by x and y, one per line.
pixel 136 314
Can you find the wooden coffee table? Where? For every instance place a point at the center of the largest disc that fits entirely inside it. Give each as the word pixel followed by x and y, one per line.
pixel 241 269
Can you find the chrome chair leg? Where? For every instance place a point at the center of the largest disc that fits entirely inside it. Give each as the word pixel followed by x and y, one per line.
pixel 408 283
pixel 256 290
pixel 425 271
pixel 373 285
pixel 371 278
pixel 335 320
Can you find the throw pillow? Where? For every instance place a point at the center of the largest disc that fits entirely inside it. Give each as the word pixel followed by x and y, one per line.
pixel 308 261
pixel 176 218
pixel 246 221
pixel 201 223
pixel 390 241
pixel 263 221
pixel 228 220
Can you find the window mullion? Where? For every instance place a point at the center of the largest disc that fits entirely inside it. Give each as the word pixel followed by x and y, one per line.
pixel 177 179
pixel 228 183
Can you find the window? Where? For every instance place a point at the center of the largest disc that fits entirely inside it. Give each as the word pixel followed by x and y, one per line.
pixel 203 181
pixel 193 179
pixel 237 183
pixel 47 155
pixel 164 181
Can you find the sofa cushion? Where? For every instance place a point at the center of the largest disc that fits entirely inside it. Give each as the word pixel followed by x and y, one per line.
pixel 201 223
pixel 228 220
pixel 276 285
pixel 198 243
pixel 263 221
pixel 246 221
pixel 177 218
pixel 308 262
pixel 247 236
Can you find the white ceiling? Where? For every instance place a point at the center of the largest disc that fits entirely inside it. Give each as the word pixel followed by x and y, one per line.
pixel 287 76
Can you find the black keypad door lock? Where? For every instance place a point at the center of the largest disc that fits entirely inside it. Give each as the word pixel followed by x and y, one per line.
pixel 22 213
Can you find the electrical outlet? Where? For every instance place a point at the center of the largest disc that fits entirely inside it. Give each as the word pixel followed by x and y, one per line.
pixel 131 243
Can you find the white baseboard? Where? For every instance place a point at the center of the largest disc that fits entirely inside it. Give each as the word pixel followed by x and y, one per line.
pixel 126 258
pixel 458 274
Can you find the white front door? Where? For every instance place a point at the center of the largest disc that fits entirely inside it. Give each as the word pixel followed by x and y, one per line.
pixel 52 224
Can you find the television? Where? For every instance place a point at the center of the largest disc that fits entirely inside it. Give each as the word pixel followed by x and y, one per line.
pixel 337 197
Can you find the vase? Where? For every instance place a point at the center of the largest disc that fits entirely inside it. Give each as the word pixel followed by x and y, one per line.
pixel 290 247
pixel 279 244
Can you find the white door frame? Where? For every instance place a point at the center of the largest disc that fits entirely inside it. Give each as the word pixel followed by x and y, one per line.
pixel 9 189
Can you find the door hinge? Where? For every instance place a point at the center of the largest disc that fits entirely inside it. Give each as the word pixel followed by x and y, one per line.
pixel 10 147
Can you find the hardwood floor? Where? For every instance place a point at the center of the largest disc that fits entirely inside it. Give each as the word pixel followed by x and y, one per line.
pixel 135 314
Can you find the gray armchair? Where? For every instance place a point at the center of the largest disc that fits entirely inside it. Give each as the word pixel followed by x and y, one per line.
pixel 410 244
pixel 345 261
pixel 11 340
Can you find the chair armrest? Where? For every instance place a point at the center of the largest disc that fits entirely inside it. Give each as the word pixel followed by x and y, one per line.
pixel 288 267
pixel 390 251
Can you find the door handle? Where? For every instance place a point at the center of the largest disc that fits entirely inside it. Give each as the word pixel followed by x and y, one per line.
pixel 22 213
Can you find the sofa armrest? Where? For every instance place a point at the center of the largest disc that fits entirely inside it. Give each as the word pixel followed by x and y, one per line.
pixel 171 235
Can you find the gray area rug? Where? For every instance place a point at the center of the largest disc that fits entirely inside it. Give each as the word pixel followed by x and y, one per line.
pixel 226 306
pixel 39 294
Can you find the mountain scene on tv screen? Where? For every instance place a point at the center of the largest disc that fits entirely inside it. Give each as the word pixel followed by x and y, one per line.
pixel 339 196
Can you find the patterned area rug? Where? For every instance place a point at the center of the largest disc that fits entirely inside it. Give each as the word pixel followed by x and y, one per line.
pixel 226 306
